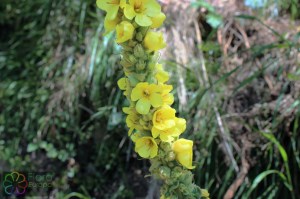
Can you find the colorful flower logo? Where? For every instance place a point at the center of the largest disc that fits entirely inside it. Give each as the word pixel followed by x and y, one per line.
pixel 15 183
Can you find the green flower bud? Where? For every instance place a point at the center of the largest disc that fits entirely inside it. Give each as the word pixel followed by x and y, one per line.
pixel 139 51
pixel 164 172
pixel 140 77
pixel 128 60
pixel 204 193
pixel 139 36
pixel 142 122
pixel 171 164
pixel 132 43
pixel 170 156
pixel 132 59
pixel 143 30
pixel 126 48
pixel 140 66
pixel 125 62
pixel 176 172
pixel 133 80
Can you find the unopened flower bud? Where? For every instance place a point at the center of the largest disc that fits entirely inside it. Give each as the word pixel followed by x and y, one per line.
pixel 131 43
pixel 125 62
pixel 204 193
pixel 170 156
pixel 140 77
pixel 142 122
pixel 132 59
pixel 164 172
pixel 140 65
pixel 139 51
pixel 139 36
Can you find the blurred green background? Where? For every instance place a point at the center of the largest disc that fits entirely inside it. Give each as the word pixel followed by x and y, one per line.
pixel 61 109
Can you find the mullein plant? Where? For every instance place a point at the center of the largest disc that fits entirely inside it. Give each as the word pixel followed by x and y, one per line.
pixel 152 122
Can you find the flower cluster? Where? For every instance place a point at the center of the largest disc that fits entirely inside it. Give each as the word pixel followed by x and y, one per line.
pixel 152 122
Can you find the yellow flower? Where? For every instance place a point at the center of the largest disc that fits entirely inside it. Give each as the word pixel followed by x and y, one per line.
pixel 135 136
pixel 164 118
pixel 110 25
pixel 154 41
pixel 124 31
pixel 124 84
pixel 142 10
pixel 132 119
pixel 168 135
pixel 168 97
pixel 184 152
pixel 161 75
pixel 111 7
pixel 146 95
pixel 158 20
pixel 204 193
pixel 146 147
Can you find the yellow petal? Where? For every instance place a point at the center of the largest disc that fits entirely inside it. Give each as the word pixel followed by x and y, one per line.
pixel 122 83
pixel 126 110
pixel 183 149
pixel 154 41
pixel 102 4
pixel 122 3
pixel 156 100
pixel 112 12
pixel 166 88
pixel 162 76
pixel 153 152
pixel 136 93
pixel 180 124
pixel 166 137
pixel 153 8
pixel 185 159
pixel 124 31
pixel 158 20
pixel 129 12
pixel 204 193
pixel 146 147
pixel 110 25
pixel 168 99
pixel 135 136
pixel 130 131
pixel 169 123
pixel 143 151
pixel 143 20
pixel 164 118
pixel 143 106
pixel 182 145
pixel 155 132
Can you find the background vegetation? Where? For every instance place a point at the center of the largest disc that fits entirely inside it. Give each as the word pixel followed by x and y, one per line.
pixel 61 110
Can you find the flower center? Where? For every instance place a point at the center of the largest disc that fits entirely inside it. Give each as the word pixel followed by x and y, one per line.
pixel 146 93
pixel 121 34
pixel 138 6
pixel 159 118
pixel 149 143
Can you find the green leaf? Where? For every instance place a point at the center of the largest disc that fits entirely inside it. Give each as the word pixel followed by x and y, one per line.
pixel 203 4
pixel 262 176
pixel 293 77
pixel 209 46
pixel 214 20
pixel 272 138
pixel 32 147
